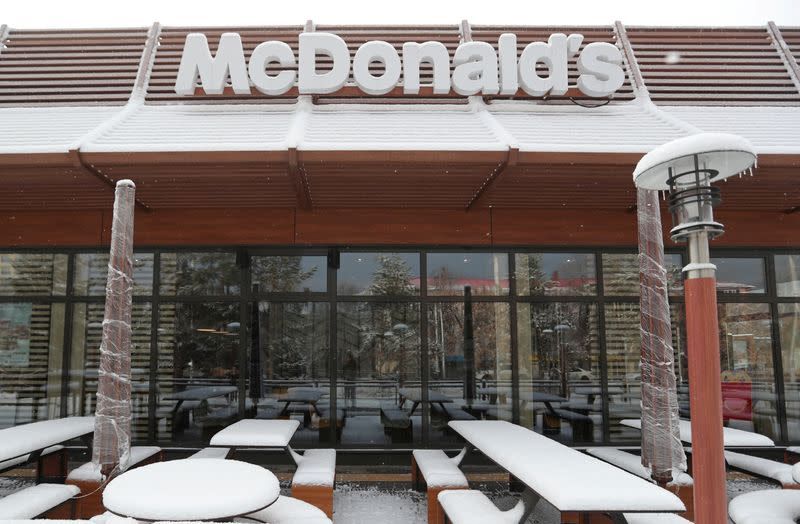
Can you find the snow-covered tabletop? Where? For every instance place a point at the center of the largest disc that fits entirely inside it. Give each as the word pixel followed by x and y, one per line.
pixel 565 477
pixel 257 433
pixel 29 438
pixel 181 490
pixel 731 437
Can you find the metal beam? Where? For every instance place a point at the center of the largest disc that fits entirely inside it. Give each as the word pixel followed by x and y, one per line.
pixel 146 63
pixel 482 193
pixel 299 179
pixel 466 31
pixel 81 164
pixel 630 59
pixel 785 52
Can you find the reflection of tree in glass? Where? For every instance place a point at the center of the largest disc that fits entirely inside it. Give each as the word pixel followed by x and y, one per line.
pixel 202 273
pixel 201 353
pixel 295 339
pixel 281 273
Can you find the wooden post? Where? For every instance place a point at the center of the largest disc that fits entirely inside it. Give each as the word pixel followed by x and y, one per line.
pixel 111 449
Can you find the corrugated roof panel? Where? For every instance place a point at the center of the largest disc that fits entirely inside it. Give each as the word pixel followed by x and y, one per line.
pixel 770 129
pixel 69 67
pixel 613 128
pixel 712 66
pixel 50 129
pixel 198 128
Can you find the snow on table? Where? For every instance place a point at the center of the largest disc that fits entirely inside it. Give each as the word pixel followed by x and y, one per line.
pixel 762 467
pixel 257 433
pixel 731 437
pixel 768 506
pixel 28 438
pixel 208 489
pixel 564 477
pixel 632 464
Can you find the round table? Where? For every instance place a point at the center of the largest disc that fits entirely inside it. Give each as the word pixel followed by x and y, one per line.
pixel 191 489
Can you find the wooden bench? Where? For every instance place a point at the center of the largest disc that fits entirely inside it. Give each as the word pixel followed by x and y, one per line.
pixel 433 471
pixel 466 506
pixel 683 486
pixel 315 478
pixel 769 506
pixel 655 518
pixel 51 466
pixel 397 424
pixel 288 510
pixel 761 467
pixel 51 501
pixel 88 479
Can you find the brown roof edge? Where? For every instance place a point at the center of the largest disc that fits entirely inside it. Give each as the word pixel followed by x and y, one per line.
pixel 186 157
pixel 407 157
pixel 36 159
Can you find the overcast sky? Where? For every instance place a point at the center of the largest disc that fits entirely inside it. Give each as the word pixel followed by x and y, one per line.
pixel 110 13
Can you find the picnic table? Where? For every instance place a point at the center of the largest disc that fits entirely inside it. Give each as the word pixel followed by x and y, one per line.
pixel 415 396
pixel 731 437
pixel 191 490
pixel 201 393
pixel 308 396
pixel 566 478
pixel 29 440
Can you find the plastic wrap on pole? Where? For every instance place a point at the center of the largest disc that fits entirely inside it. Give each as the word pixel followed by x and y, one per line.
pixel 662 451
pixel 112 426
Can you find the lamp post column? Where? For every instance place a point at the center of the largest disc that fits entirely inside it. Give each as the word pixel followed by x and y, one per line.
pixel 705 389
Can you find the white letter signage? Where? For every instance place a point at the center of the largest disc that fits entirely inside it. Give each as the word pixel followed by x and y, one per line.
pixel 475 68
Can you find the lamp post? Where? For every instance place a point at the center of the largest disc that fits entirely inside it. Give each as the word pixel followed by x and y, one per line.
pixel 686 168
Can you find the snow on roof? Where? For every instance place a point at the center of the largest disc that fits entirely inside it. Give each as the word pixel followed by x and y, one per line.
pixel 412 128
pixel 198 128
pixel 773 130
pixel 621 128
pixel 48 129
pixel 629 127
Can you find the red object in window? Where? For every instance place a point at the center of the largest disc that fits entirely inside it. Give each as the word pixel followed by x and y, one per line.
pixel 737 401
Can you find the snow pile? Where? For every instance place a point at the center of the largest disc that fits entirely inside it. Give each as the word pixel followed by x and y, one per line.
pixel 771 506
pixel 369 506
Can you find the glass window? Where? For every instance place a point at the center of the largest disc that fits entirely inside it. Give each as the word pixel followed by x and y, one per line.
pixel 787 275
pixel 288 372
pixel 738 276
pixel 31 349
pixel 199 274
pixel 91 273
pixel 621 274
pixel 469 377
pixel 379 359
pixel 789 324
pixel 555 274
pixel 624 354
pixel 394 274
pixel 87 334
pixel 198 370
pixel 748 378
pixel 450 273
pixel 285 274
pixel 33 274
pixel 559 371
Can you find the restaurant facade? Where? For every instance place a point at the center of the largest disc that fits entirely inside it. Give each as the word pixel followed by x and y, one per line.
pixel 376 230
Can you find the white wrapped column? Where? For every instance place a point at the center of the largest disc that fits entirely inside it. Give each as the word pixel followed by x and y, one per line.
pixel 662 451
pixel 112 430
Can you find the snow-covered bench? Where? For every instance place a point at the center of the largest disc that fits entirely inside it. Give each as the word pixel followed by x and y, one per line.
pixel 211 453
pixel 683 486
pixel 792 455
pixel 315 478
pixel 88 479
pixel 434 471
pixel 655 518
pixel 467 506
pixel 288 510
pixel 54 501
pixel 761 467
pixel 769 506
